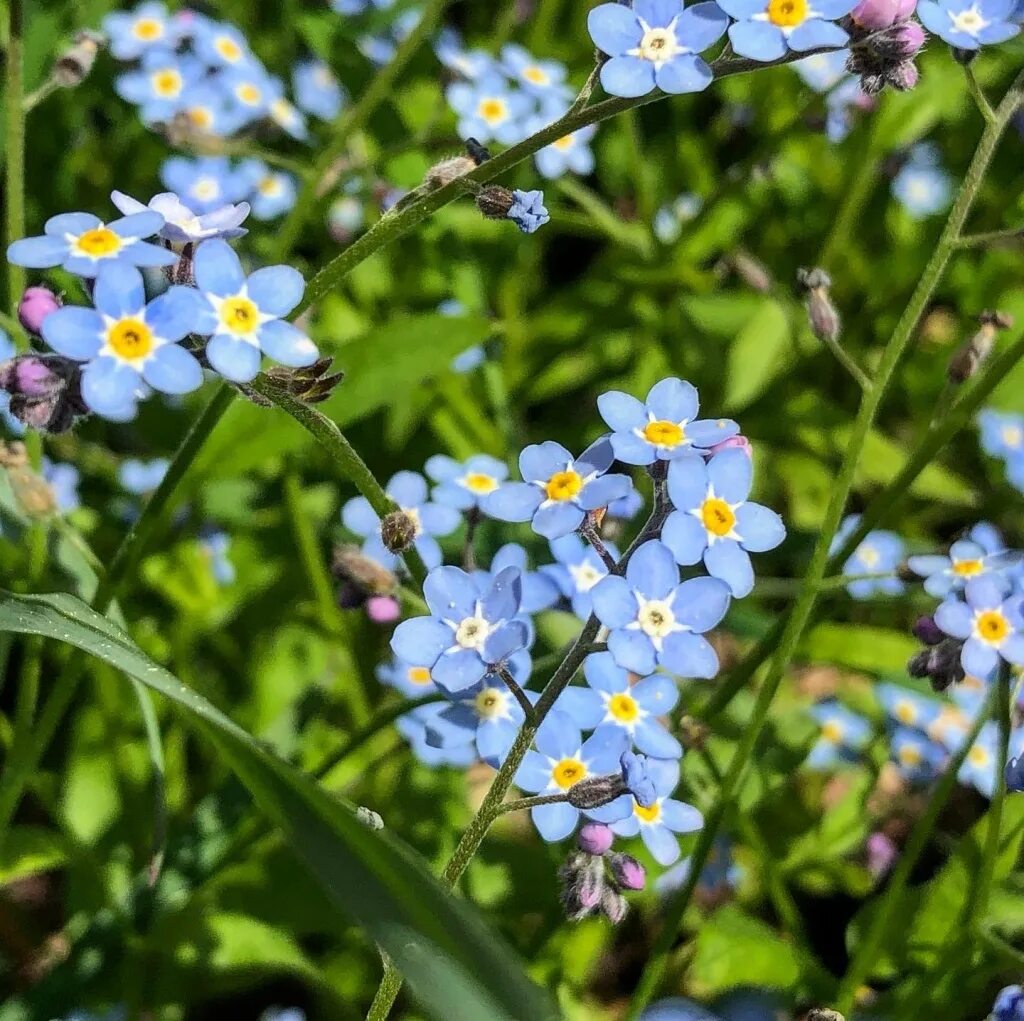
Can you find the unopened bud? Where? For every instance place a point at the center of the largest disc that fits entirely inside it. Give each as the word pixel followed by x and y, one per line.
pixel 824 1014
pixel 582 884
pixel 448 170
pixel 369 818
pixel 370 578
pixel 926 630
pixel 908 38
pixel 739 442
pixel 595 838
pixel 35 305
pixel 398 530
pixel 477 153
pixel 595 791
pixel 45 391
pixel 312 384
pixel 383 609
pixel 628 872
pixel 590 884
pixel 614 906
pixel 904 76
pixel 72 67
pixel 877 14
pixel 968 358
pixel 821 312
pixel 495 202
pixel 751 271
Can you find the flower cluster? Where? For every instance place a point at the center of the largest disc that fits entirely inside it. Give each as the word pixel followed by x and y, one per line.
pixel 209 183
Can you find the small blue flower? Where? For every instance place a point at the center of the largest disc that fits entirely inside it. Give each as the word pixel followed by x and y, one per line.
pixel 1009 1005
pixel 982 766
pixel 922 187
pixel 489 109
pixel 183 226
pixel 284 113
pixel 637 777
pixel 1002 434
pixel 204 184
pixel 542 78
pixel 987 536
pixel 917 757
pixel 610 700
pixel 273 191
pixel 880 553
pixel 317 90
pixel 470 629
pixel 215 544
pixel 626 507
pixel 907 707
pixel 413 727
pixel 124 341
pixel 678 1008
pixel 969 24
pixel 464 486
pixel 472 64
pixel 966 560
pixel 205 108
pixel 991 625
pixel 843 735
pixel 141 477
pixel 578 570
pixel 822 71
pixel 158 86
pixel 82 244
pixel 655 43
pixel 558 491
pixel 220 45
pixel 412 681
pixel 766 29
pixel 714 521
pixel 243 315
pixel 540 592
pixel 63 480
pixel 248 90
pixel 663 426
pixel 470 359
pixel 132 34
pixel 569 153
pixel 409 492
pixel 561 760
pixel 528 211
pixel 655 620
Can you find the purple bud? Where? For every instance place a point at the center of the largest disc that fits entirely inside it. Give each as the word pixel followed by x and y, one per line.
pixel 33 378
pixel 595 838
pixel 382 609
pixel 926 630
pixel 904 8
pixel 35 305
pixel 614 906
pixel 590 887
pixel 882 852
pixel 739 442
pixel 628 872
pixel 876 14
pixel 910 38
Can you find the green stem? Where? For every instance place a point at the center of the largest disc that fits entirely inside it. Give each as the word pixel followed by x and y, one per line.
pixel 991 237
pixel 871 942
pixel 19 770
pixel 801 613
pixel 14 146
pixel 352 120
pixel 978 95
pixel 847 361
pixel 522 804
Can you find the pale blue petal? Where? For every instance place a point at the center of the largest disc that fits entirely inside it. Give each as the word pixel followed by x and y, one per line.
pixel 632 650
pixel 614 29
pixel 449 592
pixel 584 705
pixel 672 400
pixel 661 843
pixel 701 25
pixel 978 658
pixel 173 370
pixel 683 74
pixel 557 519
pixel 70 223
pixel 632 449
pixel 628 77
pixel 512 501
pixel 757 40
pixel 652 570
pixel 688 656
pixel 680 817
pixel 555 822
pixel 287 344
pixel 622 412
pixel 760 528
pixel 218 270
pixel 726 559
pixel 38 253
pixel 539 461
pixel 175 313
pixel 614 602
pixel 687 482
pixel 74 331
pixel 701 603
pixel 603 490
pixel 504 596
pixel 119 291
pixel 652 738
pixel 458 670
pixel 814 34
pixel 358 516
pixel 109 386
pixel 233 359
pixel 137 225
pixel 657 694
pixel 603 674
pixel 421 640
pixel 731 473
pixel 276 289
pixel 685 536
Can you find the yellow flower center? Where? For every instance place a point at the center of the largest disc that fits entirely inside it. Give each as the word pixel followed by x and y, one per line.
pixel 905 712
pixel 967 568
pixel 148 29
pixel 240 315
pixel 657 45
pixel 910 755
pixel 568 772
pixel 623 707
pixel 535 74
pixel 868 555
pixel 200 117
pixel 282 111
pixel 1012 435
pixel 167 82
pixel 978 756
pixel 787 13
pixel 228 48
pixel 269 186
pixel 478 482
pixel 664 434
pixel 492 110
pixel 563 486
pixel 968 21
pixel 563 143
pixel 130 339
pixel 651 814
pixel 489 703
pixel 717 516
pixel 98 242
pixel 832 731
pixel 418 675
pixel 206 188
pixel 248 93
pixel 991 626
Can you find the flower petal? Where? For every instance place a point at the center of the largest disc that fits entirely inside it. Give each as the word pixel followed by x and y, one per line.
pixel 276 290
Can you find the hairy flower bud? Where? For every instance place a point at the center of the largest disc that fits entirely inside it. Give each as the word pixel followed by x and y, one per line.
pixel 45 391
pixel 582 884
pixel 969 356
pixel 939 663
pixel 312 384
pixel 72 67
pixel 908 38
pixel 595 791
pixel 821 312
pixel 494 202
pixel 398 530
pixel 614 906
pixel 351 565
pixel 926 630
pixel 875 14
pixel 447 171
pixel 35 305
pixel 595 838
pixel 627 872
pixel 751 271
pixel 885 58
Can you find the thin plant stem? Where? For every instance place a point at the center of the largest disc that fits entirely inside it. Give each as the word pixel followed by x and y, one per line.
pixel 517 692
pixel 14 145
pixel 804 605
pixel 978 95
pixel 589 534
pixel 848 362
pixel 991 237
pixel 522 804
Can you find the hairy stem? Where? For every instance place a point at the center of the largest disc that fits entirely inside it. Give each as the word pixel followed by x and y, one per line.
pixel 14 145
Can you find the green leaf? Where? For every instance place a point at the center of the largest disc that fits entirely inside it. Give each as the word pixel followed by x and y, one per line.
pixel 454 965
pixel 875 649
pixel 28 850
pixel 760 352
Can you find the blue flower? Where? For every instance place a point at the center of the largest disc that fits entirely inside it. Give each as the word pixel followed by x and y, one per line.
pixel 637 777
pixel 131 34
pixel 569 153
pixel 63 480
pixel 204 184
pixel 82 243
pixel 558 492
pixel 656 43
pixel 219 44
pixel 470 359
pixel 284 114
pixel 578 570
pixel 346 215
pixel 273 191
pixel 766 29
pixel 658 823
pixel 183 226
pixel 907 707
pixel 991 625
pixel 823 71
pixel 843 734
pixel 1009 1005
pixel 542 78
pixel 663 426
pixel 412 681
pixel 242 315
pixel 489 109
pixel 922 187
pixel 527 211
pixel 540 592
pixel 409 492
pixel 626 507
pixel 610 700
pixel 982 766
pixel 205 109
pixel 413 727
pixel 561 760
pixel 966 560
pixel 317 90
pixel 464 486
pixel 141 477
pixel 1002 434
pixel 470 629
pixel 969 24
pixel 157 87
pixel 470 64
pixel 655 620
pixel 713 519
pixel 486 713
pixel 124 341
pixel 987 536
pixel 678 1008
pixel 248 90
pixel 880 553
pixel 917 757
pixel 215 544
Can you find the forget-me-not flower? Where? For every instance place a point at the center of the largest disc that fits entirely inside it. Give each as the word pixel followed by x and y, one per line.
pixel 464 485
pixel 219 44
pixel 539 589
pixel 663 426
pixel 131 34
pixel 124 340
pixel 908 707
pixel 413 727
pixel 472 64
pixel 559 491
pixel 767 29
pixel 569 153
pixel 140 477
pixel 654 620
pixel 273 191
pixel 1002 433
pixel 158 85
pixel 843 734
pixel 714 520
pixel 917 757
pixel 655 43
pixel 969 24
pixel 243 314
pixel 183 226
pixel 966 560
pixel 991 625
pixel 577 570
pixel 317 90
pixel 412 681
pixel 542 78
pixel 879 553
pixel 922 187
pixel 528 211
pixel 205 183
pixel 489 109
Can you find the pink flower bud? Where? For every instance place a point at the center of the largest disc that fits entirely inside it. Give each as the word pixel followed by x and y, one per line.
pixel 882 852
pixel 33 378
pixel 595 838
pixel 740 442
pixel 904 9
pixel 382 609
pixel 35 305
pixel 628 872
pixel 876 14
pixel 910 38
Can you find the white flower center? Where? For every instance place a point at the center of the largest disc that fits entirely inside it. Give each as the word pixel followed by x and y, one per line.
pixel 585 576
pixel 656 619
pixel 969 21
pixel 472 632
pixel 658 45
